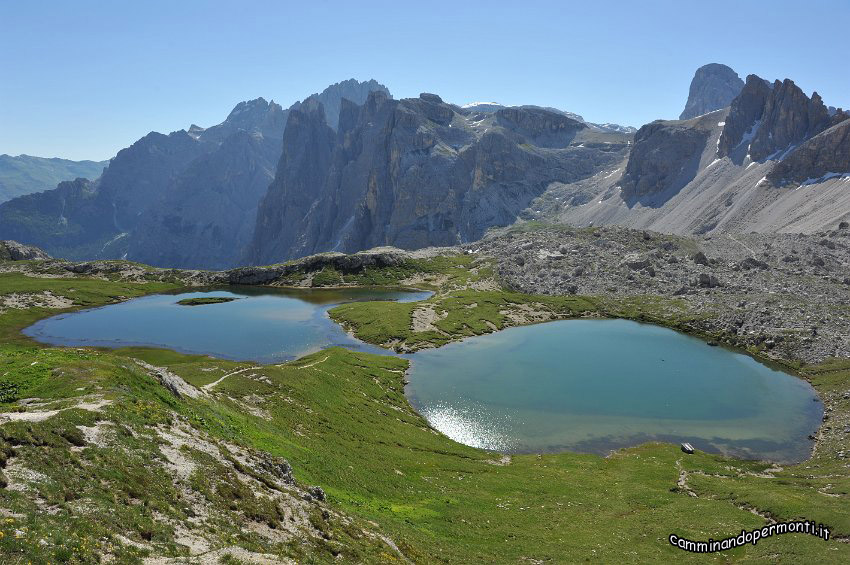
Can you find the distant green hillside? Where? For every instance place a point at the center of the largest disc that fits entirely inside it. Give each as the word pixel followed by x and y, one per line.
pixel 25 174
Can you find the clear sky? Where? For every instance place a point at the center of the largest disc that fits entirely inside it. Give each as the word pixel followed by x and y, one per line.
pixel 83 79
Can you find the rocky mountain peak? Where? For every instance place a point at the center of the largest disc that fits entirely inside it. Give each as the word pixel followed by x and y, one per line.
pixel 428 97
pixel 713 87
pixel 353 90
pixel 768 119
pixel 258 104
pixel 195 130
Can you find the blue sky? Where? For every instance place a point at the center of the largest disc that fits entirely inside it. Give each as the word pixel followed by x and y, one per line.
pixel 83 79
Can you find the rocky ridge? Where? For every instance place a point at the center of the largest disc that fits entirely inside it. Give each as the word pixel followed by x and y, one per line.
pixel 770 119
pixel 776 160
pixel 14 251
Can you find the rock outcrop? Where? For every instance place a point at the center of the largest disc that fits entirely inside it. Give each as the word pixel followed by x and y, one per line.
pixel 540 127
pixel 664 157
pixel 14 251
pixel 713 87
pixel 766 120
pixel 826 154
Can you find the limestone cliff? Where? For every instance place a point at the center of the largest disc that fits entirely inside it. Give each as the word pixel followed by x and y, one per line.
pixel 766 120
pixel 824 155
pixel 416 172
pixel 713 87
pixel 185 199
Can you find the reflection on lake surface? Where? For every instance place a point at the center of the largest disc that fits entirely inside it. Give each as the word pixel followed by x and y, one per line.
pixel 597 385
pixel 264 324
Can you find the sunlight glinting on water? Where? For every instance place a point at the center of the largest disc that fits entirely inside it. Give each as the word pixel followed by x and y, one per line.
pixel 469 427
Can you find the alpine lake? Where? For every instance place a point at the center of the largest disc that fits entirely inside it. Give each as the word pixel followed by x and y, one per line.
pixel 587 386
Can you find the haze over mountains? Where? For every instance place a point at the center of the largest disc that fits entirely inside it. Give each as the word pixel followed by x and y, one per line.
pixel 188 198
pixel 351 168
pixel 25 174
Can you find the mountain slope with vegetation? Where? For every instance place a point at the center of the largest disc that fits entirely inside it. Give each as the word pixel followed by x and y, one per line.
pixel 25 174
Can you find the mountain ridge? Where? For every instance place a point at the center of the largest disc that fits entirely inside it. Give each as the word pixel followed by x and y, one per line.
pixel 416 172
pixel 774 160
pixel 24 174
pixel 330 174
pixel 180 198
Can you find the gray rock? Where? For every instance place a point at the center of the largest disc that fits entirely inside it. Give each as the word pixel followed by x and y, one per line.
pixel 753 263
pixel 699 258
pixel 713 87
pixel 317 493
pixel 707 281
pixel 664 157
pixel 414 173
pixel 766 119
pixel 14 251
pixel 828 152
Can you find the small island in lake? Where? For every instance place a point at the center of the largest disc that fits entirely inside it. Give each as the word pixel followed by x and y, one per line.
pixel 205 300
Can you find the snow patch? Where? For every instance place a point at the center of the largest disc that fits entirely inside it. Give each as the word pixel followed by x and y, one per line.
pixel 473 104
pixel 824 178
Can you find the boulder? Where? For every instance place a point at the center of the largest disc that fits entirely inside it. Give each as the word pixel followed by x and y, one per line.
pixel 707 281
pixel 699 258
pixel 753 263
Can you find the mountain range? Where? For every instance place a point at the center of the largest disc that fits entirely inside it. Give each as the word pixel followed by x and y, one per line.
pixel 773 160
pixel 25 174
pixel 352 168
pixel 188 198
pixel 415 173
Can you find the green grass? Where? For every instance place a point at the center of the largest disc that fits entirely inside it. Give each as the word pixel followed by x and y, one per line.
pixel 342 421
pixel 84 293
pixel 459 314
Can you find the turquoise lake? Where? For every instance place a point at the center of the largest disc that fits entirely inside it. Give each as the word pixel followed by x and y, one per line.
pixel 587 386
pixel 592 386
pixel 263 324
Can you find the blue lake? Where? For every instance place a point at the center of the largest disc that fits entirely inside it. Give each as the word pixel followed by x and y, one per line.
pixel 263 324
pixel 595 385
pixel 577 385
